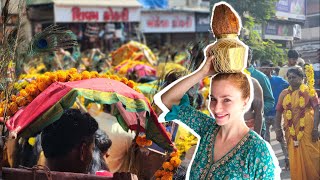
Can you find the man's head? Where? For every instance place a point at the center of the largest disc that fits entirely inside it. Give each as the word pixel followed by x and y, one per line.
pixel 293 56
pixel 267 67
pixel 70 138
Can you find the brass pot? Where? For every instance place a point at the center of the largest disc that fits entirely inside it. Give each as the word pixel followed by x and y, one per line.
pixel 230 54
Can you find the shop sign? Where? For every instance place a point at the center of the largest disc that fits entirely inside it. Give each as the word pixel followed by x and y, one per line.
pixel 99 14
pixel 203 22
pixel 164 22
pixel 291 9
pixel 278 31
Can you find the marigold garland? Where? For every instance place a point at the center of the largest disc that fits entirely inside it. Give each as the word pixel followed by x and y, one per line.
pixel 287 105
pixel 41 82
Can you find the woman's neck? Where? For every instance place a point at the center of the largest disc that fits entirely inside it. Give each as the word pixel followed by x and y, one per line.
pixel 295 87
pixel 235 129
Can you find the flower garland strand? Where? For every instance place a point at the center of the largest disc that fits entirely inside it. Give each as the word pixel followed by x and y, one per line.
pixel 35 87
pixel 287 105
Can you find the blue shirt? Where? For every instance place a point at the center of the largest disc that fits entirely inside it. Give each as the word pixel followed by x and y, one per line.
pixel 278 84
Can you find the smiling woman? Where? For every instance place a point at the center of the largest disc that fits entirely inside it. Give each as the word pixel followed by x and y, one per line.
pixel 228 148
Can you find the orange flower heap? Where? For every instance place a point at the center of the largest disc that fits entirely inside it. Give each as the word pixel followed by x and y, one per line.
pixel 142 141
pixel 35 87
pixel 168 167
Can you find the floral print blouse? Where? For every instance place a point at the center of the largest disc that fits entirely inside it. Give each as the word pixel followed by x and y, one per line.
pixel 251 158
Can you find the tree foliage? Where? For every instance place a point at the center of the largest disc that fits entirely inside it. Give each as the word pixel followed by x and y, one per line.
pixel 261 10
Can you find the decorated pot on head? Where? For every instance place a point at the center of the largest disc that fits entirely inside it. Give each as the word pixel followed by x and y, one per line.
pixel 230 53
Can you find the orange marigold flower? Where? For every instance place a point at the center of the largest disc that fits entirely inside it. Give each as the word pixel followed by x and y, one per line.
pixel 131 83
pixel 124 80
pixel 13 107
pixel 114 77
pixel 42 86
pixel 166 177
pixel 148 143
pixel 1 112
pixel 21 101
pixel 175 154
pixel 53 77
pixel 29 99
pixel 175 161
pixel 158 173
pixel 168 166
pixel 13 98
pixel 32 90
pixel 85 75
pixel 23 93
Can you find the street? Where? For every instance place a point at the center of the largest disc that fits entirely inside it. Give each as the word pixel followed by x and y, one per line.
pixel 285 175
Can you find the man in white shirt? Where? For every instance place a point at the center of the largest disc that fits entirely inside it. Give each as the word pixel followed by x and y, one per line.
pixel 293 56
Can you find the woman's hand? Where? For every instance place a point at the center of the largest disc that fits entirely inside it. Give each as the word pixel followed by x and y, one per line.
pixel 315 135
pixel 207 69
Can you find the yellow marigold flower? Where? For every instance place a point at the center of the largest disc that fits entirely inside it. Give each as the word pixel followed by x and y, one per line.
pixel 72 71
pixel 302 120
pixel 289 115
pixel 74 77
pixel 312 92
pixel 168 166
pixel 62 76
pixel 23 93
pixel 85 75
pixel 311 82
pixel 302 88
pixel 94 74
pixel 292 131
pixel 104 76
pixel 300 135
pixel 53 77
pixel 301 102
pixel 32 141
pixel 47 73
pixel 206 81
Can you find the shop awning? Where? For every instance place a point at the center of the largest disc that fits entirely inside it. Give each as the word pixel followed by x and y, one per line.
pixel 88 3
